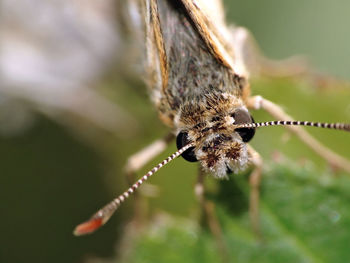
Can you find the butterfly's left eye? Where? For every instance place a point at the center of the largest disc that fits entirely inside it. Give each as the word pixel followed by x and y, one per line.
pixel 242 116
pixel 181 141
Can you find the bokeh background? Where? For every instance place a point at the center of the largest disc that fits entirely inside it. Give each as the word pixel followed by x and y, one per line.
pixel 73 107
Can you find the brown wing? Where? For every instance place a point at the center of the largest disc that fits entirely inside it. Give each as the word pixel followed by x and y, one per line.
pixel 159 42
pixel 188 56
pixel 208 19
pixel 210 33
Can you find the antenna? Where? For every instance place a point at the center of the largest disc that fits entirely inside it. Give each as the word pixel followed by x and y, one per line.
pixel 336 126
pixel 103 215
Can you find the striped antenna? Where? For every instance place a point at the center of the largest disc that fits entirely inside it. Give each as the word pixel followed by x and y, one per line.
pixel 102 215
pixel 336 126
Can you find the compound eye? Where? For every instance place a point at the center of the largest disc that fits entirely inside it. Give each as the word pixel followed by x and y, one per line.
pixel 181 141
pixel 242 116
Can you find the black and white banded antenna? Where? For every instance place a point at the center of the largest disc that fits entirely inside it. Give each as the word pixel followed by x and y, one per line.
pixel 103 215
pixel 335 126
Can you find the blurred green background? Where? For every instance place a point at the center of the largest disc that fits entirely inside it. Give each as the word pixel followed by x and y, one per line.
pixel 53 177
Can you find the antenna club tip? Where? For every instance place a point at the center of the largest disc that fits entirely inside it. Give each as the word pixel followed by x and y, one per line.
pixel 88 227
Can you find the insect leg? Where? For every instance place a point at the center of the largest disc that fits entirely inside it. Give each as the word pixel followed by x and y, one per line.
pixel 250 55
pixel 254 181
pixel 208 211
pixel 136 161
pixel 334 159
pixel 253 60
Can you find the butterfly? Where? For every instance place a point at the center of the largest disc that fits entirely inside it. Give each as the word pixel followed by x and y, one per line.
pixel 198 71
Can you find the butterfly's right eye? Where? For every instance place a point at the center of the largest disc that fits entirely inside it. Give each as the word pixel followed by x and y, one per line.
pixel 242 116
pixel 181 141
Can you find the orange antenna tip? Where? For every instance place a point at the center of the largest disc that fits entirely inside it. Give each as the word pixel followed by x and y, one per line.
pixel 88 227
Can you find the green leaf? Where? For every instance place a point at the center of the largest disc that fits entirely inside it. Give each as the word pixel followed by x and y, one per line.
pixel 304 215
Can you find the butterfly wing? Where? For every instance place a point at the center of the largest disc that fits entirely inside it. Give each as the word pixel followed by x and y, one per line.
pixel 188 53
